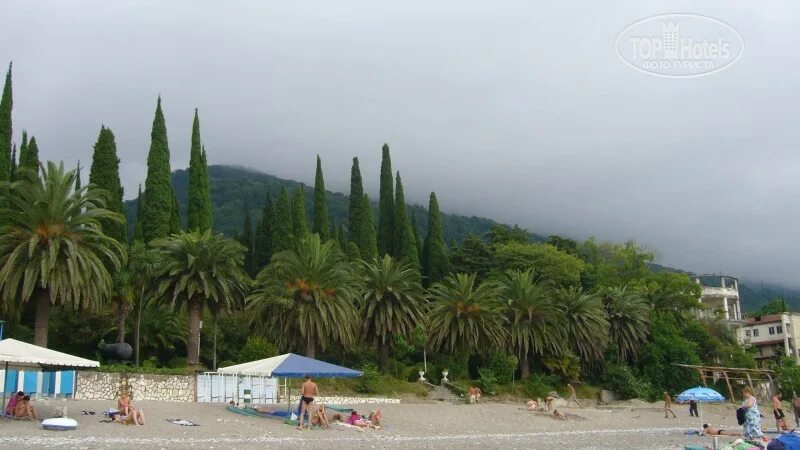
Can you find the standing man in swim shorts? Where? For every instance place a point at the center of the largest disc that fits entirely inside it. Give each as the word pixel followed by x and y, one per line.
pixel 777 411
pixel 308 391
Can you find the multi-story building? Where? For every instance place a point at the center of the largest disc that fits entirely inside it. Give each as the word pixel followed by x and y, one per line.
pixel 720 297
pixel 774 336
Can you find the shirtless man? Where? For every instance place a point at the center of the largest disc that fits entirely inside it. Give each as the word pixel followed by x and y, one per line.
pixel 796 408
pixel 308 391
pixel 713 431
pixel 777 411
pixel 24 409
pixel 668 406
pixel 572 396
pixel 474 394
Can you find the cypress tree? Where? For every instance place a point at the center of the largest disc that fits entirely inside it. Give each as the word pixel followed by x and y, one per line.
pixel 137 228
pixel 332 231
pixel 159 205
pixel 14 162
pixel 282 235
pixel 406 246
pixel 262 248
pixel 299 214
pixel 320 225
pixel 435 251
pixel 199 208
pixel 6 133
pixel 354 215
pixel 386 214
pixel 368 236
pixel 78 184
pixel 175 215
pixel 29 158
pixel 104 174
pixel 340 237
pixel 417 238
pixel 246 238
pixel 23 149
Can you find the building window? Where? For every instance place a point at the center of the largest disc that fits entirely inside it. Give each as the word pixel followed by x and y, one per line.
pixel 755 332
pixel 747 333
pixel 779 329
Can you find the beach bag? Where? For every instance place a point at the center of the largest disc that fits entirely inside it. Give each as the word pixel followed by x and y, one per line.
pixel 740 412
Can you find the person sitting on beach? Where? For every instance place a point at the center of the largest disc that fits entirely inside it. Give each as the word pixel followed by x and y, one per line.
pixel 550 400
pixel 319 418
pixel 127 413
pixel 713 431
pixel 12 403
pixel 474 394
pixel 24 409
pixel 375 418
pixel 338 418
pixel 532 405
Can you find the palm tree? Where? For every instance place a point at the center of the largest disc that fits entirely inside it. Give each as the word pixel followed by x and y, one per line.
pixel 162 327
pixel 536 323
pixel 307 296
pixel 52 245
pixel 587 326
pixel 124 297
pixel 629 319
pixel 145 263
pixel 466 317
pixel 200 269
pixel 393 303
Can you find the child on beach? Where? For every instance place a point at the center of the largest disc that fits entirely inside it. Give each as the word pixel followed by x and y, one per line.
pixel 668 406
pixel 24 409
pixel 12 403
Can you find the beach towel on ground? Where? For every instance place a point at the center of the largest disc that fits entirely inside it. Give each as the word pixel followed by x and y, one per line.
pixel 182 422
pixel 339 408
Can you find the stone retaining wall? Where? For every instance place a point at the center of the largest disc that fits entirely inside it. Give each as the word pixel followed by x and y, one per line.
pixel 108 386
pixel 347 400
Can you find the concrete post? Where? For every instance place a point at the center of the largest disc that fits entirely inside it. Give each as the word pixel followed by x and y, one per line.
pixel 725 307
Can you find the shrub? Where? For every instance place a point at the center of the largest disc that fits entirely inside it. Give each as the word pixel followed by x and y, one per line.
pixel 256 348
pixel 503 366
pixel 487 381
pixel 620 379
pixel 227 363
pixel 177 362
pixel 538 385
pixel 369 379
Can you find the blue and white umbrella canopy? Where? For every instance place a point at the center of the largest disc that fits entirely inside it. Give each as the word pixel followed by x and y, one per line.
pixel 700 394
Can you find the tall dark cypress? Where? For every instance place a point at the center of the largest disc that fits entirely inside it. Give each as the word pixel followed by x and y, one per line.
pixel 262 247
pixel 417 238
pixel 14 162
pixel 386 215
pixel 175 216
pixel 435 251
pixel 138 234
pixel 282 235
pixel 78 183
pixel 246 238
pixel 354 214
pixel 23 150
pixel 104 174
pixel 332 231
pixel 6 132
pixel 320 225
pixel 159 206
pixel 199 207
pixel 368 235
pixel 299 214
pixel 340 237
pixel 29 159
pixel 405 244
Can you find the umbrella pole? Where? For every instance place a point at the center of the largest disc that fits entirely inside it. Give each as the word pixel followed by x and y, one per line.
pixel 5 379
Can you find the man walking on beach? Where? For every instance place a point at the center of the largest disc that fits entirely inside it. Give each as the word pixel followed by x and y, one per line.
pixel 777 411
pixel 796 408
pixel 668 406
pixel 572 397
pixel 308 392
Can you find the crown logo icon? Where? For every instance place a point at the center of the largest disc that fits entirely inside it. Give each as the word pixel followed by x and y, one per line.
pixel 670 32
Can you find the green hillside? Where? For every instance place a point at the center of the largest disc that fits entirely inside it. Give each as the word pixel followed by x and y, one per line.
pixel 235 188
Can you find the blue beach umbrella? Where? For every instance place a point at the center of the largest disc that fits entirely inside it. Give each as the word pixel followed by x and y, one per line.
pixel 700 395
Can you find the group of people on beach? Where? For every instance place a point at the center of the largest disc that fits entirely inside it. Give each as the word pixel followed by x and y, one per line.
pixel 318 413
pixel 20 407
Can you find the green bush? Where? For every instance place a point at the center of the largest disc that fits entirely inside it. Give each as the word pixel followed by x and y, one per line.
pixel 538 385
pixel 177 362
pixel 621 380
pixel 256 348
pixel 368 382
pixel 487 381
pixel 150 363
pixel 144 369
pixel 503 366
pixel 227 363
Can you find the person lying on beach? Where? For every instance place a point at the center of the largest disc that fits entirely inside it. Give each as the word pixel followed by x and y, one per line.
pixel 24 409
pixel 356 420
pixel 532 405
pixel 714 431
pixel 559 414
pixel 319 418
pixel 264 410
pixel 12 403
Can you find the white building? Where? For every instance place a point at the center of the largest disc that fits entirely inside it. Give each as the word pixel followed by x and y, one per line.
pixel 720 297
pixel 773 336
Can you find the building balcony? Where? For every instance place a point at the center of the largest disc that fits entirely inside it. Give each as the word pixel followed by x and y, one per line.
pixel 708 291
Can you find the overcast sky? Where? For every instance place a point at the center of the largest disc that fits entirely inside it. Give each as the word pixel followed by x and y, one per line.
pixel 518 111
